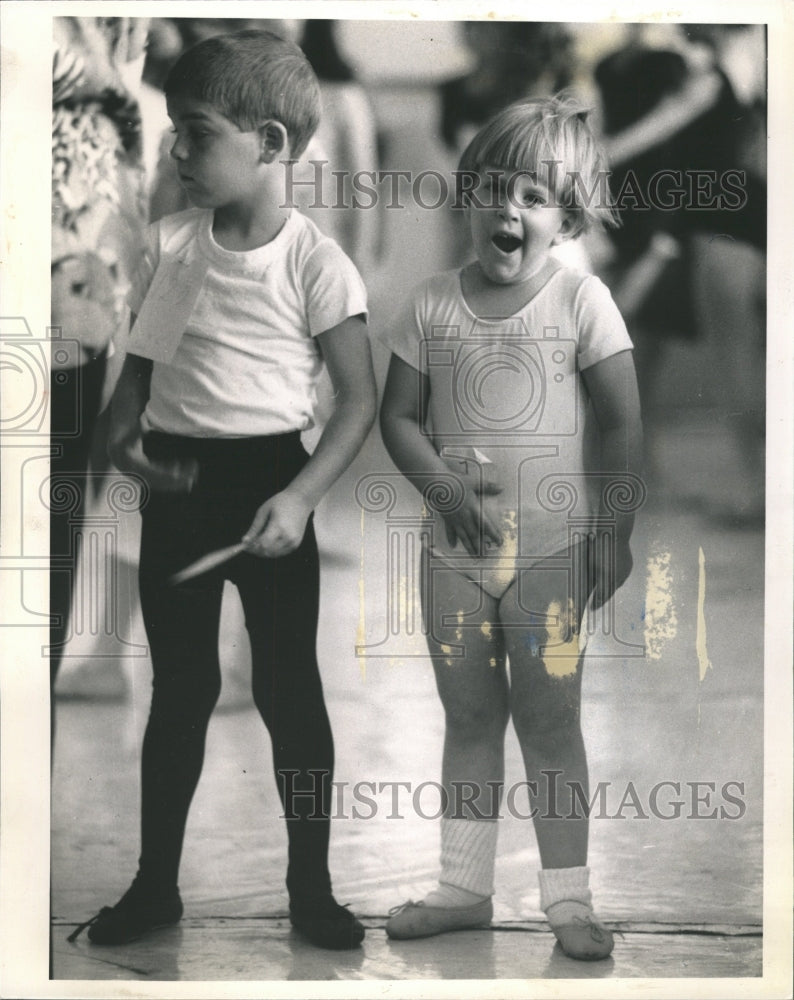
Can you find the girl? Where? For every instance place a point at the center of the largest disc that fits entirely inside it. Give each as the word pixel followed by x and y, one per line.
pixel 494 370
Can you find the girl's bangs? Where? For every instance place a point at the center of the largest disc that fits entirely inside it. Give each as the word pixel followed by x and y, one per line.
pixel 526 149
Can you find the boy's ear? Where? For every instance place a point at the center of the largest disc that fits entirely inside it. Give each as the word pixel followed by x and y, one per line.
pixel 274 141
pixel 570 227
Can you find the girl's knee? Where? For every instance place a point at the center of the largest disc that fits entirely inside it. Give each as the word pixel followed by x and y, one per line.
pixel 542 725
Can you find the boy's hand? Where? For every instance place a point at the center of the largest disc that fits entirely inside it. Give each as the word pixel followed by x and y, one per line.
pixel 610 577
pixel 278 526
pixel 164 476
pixel 470 523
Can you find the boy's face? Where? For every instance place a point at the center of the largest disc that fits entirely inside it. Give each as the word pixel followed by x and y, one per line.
pixel 218 164
pixel 514 223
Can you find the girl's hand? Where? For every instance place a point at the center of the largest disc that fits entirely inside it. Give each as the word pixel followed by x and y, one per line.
pixel 470 523
pixel 278 526
pixel 164 476
pixel 609 574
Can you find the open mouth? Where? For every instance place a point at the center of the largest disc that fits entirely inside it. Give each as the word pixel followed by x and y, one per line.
pixel 506 242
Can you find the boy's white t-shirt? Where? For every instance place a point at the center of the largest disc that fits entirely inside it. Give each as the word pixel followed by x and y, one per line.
pixel 246 361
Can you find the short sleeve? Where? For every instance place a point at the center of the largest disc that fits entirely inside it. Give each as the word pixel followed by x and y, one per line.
pixel 405 333
pixel 333 287
pixel 144 272
pixel 602 331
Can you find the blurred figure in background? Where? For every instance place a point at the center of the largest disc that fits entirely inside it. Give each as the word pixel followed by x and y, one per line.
pixel 347 140
pixel 513 60
pixel 98 215
pixel 345 143
pixel 164 45
pixel 691 261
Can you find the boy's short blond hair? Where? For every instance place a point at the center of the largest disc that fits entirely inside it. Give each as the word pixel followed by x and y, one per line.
pixel 249 77
pixel 549 137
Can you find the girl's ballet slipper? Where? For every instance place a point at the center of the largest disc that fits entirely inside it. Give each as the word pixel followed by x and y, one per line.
pixel 585 938
pixel 416 920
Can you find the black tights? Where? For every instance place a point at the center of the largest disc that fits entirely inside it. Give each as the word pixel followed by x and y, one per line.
pixel 280 599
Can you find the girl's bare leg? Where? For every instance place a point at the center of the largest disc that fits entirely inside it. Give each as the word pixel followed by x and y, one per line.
pixel 473 689
pixel 541 635
pixel 542 616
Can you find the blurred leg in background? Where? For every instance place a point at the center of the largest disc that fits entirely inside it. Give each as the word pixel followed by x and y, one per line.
pixel 97 227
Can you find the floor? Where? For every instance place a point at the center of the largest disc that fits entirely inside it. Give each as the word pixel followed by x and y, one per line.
pixel 266 949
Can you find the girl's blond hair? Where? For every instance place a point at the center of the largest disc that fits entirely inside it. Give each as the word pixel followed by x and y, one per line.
pixel 549 137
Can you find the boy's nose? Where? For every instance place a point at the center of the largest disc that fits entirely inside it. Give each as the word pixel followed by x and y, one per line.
pixel 179 149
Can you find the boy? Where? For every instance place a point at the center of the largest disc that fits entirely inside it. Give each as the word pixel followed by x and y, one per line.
pixel 238 303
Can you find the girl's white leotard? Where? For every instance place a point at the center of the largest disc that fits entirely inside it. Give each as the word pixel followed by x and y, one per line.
pixel 507 403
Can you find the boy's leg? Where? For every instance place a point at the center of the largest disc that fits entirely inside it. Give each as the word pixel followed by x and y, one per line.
pixel 546 661
pixel 182 629
pixel 280 599
pixel 281 602
pixel 473 690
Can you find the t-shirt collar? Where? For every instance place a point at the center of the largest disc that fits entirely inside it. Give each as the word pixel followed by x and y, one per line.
pixel 246 261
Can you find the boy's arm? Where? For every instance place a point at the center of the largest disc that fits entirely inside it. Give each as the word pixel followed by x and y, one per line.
pixel 612 385
pixel 125 440
pixel 280 522
pixel 404 402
